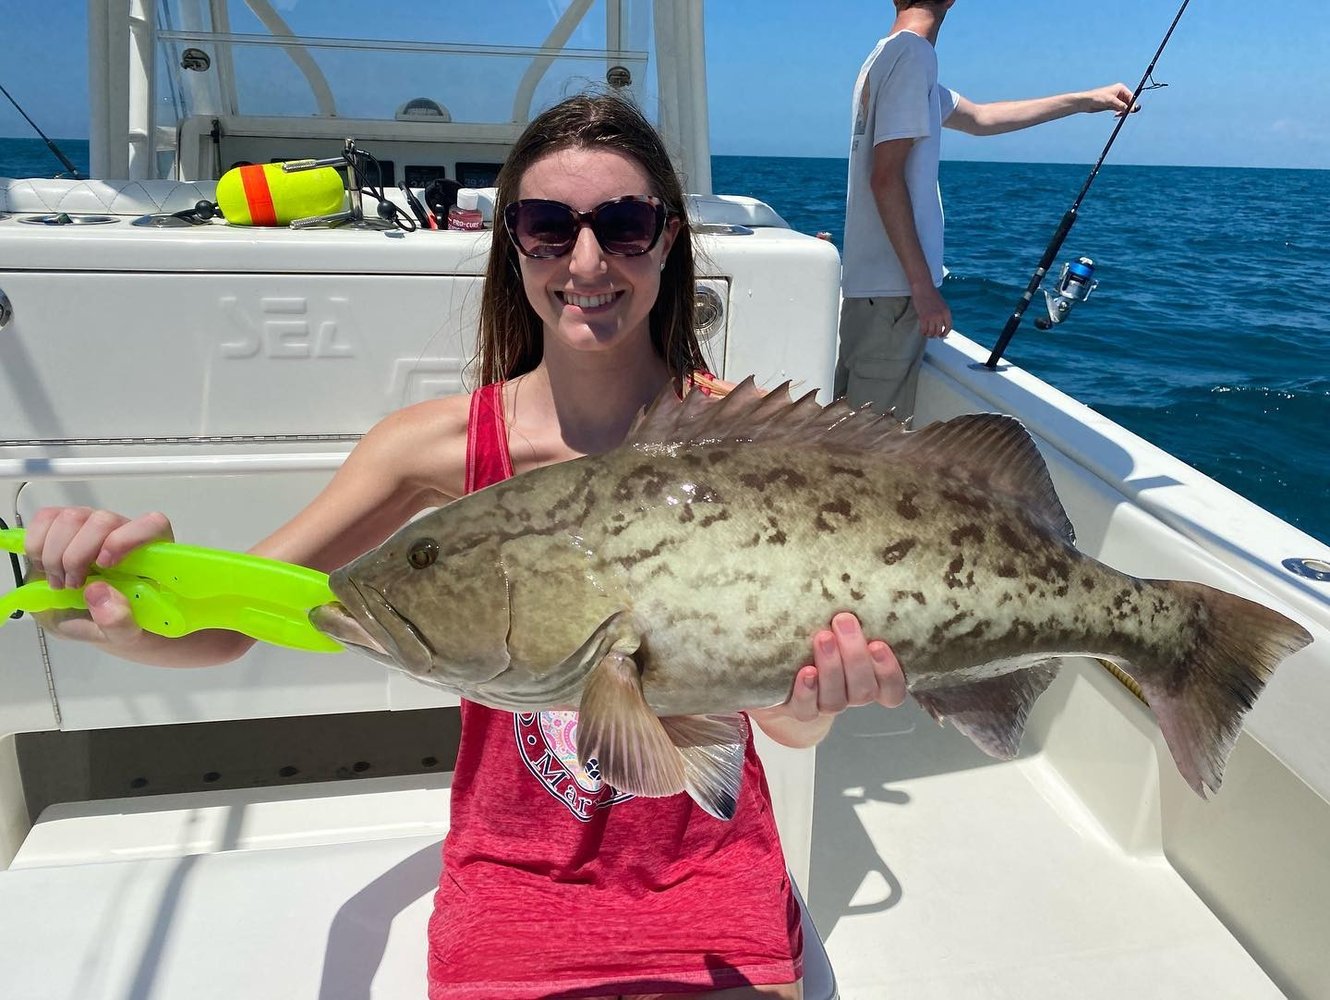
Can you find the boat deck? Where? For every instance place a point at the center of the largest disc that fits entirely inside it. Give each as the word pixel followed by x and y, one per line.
pixel 936 873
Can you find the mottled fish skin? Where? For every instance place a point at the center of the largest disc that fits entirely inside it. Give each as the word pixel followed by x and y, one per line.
pixel 712 559
pixel 728 557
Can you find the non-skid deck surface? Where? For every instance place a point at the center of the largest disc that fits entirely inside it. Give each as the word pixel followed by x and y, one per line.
pixel 936 875
pixel 319 891
pixel 939 874
pixel 332 921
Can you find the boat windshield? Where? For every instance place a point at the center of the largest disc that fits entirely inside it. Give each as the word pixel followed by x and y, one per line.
pixel 496 62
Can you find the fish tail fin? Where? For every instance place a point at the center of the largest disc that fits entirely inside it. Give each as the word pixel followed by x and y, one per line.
pixel 1200 698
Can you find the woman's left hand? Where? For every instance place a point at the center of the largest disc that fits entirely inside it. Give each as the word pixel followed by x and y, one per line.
pixel 847 670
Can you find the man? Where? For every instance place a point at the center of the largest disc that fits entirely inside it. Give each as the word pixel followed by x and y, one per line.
pixel 893 217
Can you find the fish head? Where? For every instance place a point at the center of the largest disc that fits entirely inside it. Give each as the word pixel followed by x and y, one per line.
pixel 433 608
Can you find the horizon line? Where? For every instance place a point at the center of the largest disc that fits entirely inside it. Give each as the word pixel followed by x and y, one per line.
pixel 945 159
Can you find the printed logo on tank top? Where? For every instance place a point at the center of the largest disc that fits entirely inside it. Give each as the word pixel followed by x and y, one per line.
pixel 547 742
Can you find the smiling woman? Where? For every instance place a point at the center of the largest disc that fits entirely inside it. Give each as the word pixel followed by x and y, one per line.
pixel 592 296
pixel 586 317
pixel 593 160
pixel 311 338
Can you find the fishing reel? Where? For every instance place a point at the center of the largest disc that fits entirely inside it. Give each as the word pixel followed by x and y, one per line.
pixel 1074 285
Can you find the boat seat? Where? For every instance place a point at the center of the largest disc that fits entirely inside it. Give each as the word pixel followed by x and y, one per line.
pixel 239 893
pixel 41 196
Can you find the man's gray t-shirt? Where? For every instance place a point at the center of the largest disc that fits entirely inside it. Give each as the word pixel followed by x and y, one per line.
pixel 896 96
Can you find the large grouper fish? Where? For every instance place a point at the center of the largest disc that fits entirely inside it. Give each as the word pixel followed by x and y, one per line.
pixel 667 585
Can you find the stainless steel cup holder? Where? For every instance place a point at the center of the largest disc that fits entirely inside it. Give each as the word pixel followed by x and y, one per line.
pixel 65 219
pixel 162 222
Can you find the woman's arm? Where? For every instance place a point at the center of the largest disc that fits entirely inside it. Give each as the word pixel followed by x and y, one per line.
pixel 411 460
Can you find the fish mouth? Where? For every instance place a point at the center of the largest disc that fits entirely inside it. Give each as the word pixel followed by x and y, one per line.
pixel 363 618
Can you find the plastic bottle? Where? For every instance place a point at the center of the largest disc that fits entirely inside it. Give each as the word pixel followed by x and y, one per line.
pixel 466 213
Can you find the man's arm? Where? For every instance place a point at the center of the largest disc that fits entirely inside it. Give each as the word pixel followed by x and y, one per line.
pixel 893 205
pixel 997 117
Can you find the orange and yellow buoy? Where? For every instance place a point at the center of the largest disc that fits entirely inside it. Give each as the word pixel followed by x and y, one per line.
pixel 262 194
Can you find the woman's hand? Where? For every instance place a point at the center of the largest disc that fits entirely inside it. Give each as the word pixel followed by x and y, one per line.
pixel 64 543
pixel 847 670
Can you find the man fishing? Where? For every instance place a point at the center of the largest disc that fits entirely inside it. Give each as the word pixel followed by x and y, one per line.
pixel 892 260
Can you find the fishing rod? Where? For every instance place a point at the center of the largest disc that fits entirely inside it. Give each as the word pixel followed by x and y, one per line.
pixel 1075 284
pixel 73 170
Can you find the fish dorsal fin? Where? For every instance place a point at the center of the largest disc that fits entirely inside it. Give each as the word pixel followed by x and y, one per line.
pixel 989 452
pixel 748 414
pixel 992 453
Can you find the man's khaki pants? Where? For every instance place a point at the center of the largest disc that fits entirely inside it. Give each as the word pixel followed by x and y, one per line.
pixel 881 351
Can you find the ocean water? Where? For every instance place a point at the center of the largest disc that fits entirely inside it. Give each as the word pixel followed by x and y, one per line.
pixel 31 157
pixel 1209 333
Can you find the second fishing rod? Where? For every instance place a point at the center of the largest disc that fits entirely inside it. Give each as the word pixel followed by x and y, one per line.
pixel 1077 278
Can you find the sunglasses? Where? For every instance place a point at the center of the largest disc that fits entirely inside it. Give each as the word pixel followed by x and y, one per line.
pixel 625 227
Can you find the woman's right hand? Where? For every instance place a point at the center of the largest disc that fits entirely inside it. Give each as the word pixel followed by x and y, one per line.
pixel 64 543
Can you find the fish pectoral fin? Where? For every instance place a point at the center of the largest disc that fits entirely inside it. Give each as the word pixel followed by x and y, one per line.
pixel 616 727
pixel 712 747
pixel 992 712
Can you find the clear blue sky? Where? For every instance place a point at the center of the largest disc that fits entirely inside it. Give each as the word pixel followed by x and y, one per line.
pixel 1249 83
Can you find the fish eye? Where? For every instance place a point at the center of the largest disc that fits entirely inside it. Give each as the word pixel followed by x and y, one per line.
pixel 423 553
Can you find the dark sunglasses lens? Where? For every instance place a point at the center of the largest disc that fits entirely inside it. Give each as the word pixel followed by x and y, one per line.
pixel 627 227
pixel 543 229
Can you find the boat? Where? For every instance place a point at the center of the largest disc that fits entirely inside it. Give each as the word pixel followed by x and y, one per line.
pixel 272 827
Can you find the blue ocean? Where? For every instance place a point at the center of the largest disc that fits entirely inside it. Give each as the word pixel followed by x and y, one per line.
pixel 1209 333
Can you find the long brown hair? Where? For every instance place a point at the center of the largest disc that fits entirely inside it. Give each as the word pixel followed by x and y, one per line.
pixel 512 339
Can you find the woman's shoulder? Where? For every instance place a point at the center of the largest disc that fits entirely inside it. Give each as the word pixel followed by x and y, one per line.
pixel 446 414
pixel 423 444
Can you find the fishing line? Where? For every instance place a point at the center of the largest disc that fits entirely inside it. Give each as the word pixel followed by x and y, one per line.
pixel 1068 220
pixel 73 170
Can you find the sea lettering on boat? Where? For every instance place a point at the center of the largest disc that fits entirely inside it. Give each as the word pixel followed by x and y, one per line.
pixel 287 327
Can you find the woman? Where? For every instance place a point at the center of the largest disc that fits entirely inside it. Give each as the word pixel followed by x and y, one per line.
pixel 553 883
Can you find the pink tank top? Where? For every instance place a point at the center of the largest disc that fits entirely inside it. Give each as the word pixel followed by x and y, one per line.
pixel 555 883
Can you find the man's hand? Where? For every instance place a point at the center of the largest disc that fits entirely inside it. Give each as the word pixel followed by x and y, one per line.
pixel 1115 97
pixel 933 311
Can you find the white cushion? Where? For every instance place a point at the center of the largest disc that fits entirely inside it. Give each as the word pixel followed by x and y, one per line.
pixel 41 196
